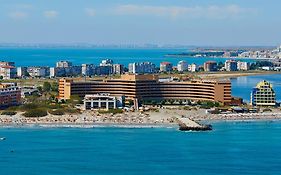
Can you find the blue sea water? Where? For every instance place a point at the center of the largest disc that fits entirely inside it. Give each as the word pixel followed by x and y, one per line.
pixel 48 57
pixel 233 148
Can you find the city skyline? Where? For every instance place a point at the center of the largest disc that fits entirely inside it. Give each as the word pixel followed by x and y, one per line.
pixel 215 23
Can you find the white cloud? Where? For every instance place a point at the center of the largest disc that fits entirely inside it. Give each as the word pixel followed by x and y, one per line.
pixel 90 12
pixel 50 14
pixel 213 11
pixel 18 15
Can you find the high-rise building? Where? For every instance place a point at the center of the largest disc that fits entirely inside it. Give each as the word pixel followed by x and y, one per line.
pixel 88 69
pixel 10 95
pixel 21 71
pixel 118 69
pixel 210 66
pixel 166 67
pixel 63 64
pixel 38 71
pixel 141 68
pixel 182 66
pixel 263 95
pixel 243 65
pixel 230 65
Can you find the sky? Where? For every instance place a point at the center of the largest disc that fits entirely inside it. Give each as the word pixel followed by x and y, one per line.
pixel 176 22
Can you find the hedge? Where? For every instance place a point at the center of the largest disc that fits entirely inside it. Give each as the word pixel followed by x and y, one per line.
pixel 56 112
pixel 39 112
pixel 9 113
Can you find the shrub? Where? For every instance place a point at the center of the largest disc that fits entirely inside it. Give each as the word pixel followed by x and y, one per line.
pixel 39 112
pixel 71 110
pixel 113 111
pixel 13 108
pixel 267 110
pixel 29 106
pixel 56 112
pixel 186 108
pixel 9 113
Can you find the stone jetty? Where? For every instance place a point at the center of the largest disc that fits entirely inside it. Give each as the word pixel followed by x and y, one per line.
pixel 186 124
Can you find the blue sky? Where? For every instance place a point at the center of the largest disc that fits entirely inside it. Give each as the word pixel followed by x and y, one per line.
pixel 189 22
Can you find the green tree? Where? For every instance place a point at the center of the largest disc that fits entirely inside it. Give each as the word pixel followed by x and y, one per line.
pixel 26 74
pixel 75 99
pixel 220 65
pixel 46 87
pixel 40 88
pixel 55 86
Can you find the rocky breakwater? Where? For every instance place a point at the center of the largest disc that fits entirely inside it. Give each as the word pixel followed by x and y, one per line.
pixel 186 124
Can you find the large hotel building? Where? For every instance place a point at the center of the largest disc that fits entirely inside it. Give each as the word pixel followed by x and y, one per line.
pixel 148 87
pixel 10 95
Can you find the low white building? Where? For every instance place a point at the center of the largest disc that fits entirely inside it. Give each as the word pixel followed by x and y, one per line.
pixel 192 67
pixel 102 101
pixel 182 66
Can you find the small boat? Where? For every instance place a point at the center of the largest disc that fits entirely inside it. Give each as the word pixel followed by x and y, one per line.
pixel 2 138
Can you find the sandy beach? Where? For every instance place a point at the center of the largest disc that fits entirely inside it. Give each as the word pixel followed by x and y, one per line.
pixel 163 118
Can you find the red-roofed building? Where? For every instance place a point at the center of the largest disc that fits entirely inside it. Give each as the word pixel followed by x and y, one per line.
pixel 7 70
pixel 166 67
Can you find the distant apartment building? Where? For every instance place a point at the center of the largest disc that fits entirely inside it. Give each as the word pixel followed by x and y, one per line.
pixel 38 71
pixel 148 87
pixel 21 72
pixel 182 66
pixel 141 68
pixel 243 65
pixel 7 63
pixel 10 95
pixel 104 70
pixel 166 67
pixel 106 62
pixel 65 69
pixel 7 70
pixel 118 69
pixel 210 66
pixel 57 72
pixel 63 64
pixel 88 69
pixel 263 95
pixel 192 67
pixel 230 65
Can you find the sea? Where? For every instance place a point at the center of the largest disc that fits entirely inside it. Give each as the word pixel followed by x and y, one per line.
pixel 248 148
pixel 49 56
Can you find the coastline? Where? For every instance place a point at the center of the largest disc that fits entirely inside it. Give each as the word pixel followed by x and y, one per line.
pixel 164 119
pixel 235 74
pixel 200 57
pixel 88 125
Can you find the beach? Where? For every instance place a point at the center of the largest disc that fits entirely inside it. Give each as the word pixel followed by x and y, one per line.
pixel 163 118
